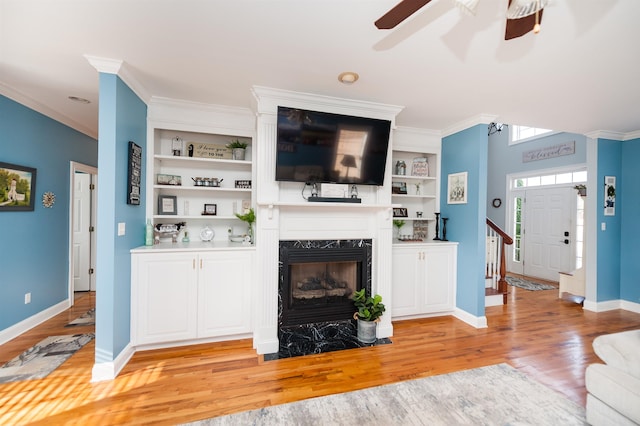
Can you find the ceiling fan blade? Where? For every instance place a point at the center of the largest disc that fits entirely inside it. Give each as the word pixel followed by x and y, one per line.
pixel 399 13
pixel 519 27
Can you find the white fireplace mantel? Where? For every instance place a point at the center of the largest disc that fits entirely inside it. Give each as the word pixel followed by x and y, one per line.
pixel 284 214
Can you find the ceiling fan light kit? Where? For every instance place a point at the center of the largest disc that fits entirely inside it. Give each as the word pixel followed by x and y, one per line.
pixel 348 77
pixel 467 6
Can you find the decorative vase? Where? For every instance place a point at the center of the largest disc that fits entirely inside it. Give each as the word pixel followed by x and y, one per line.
pixel 250 233
pixel 367 331
pixel 238 153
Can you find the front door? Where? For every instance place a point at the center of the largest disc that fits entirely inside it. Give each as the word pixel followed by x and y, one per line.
pixel 548 240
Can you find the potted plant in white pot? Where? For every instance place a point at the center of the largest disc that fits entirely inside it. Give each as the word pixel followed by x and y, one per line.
pixel 238 149
pixel 369 311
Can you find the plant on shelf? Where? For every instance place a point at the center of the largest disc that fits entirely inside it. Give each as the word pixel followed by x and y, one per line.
pixel 236 143
pixel 581 188
pixel 369 310
pixel 398 223
pixel 250 218
pixel 238 149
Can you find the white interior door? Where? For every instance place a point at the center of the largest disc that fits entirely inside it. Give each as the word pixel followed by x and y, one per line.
pixel 81 234
pixel 548 232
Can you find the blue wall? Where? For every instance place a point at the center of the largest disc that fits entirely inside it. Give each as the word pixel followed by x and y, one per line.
pixel 505 159
pixel 467 151
pixel 629 208
pixel 122 119
pixel 34 246
pixel 608 277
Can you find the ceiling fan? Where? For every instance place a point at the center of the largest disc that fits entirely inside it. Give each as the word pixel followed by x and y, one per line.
pixel 523 16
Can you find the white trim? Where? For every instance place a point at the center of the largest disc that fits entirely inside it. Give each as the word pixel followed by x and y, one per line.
pixel 544 172
pixel 33 321
pixel 93 171
pixel 612 305
pixel 109 370
pixel 468 123
pixel 472 320
pixel 120 68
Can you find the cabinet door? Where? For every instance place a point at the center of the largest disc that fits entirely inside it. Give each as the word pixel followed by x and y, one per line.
pixel 224 304
pixel 406 282
pixel 438 288
pixel 165 298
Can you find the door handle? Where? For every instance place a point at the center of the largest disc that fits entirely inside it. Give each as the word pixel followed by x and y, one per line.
pixel 566 241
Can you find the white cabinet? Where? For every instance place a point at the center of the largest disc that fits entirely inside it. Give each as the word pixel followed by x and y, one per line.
pixel 182 296
pixel 423 279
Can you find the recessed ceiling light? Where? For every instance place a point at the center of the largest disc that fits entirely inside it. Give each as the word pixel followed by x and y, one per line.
pixel 81 100
pixel 348 77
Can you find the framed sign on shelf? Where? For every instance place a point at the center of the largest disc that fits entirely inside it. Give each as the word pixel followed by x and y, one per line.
pixel 167 205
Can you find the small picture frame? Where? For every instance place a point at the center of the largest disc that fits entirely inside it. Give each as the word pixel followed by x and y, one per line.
pixel 400 212
pixel 457 188
pixel 399 188
pixel 167 205
pixel 210 210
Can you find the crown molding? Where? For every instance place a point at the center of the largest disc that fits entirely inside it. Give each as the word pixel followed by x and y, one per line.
pixel 468 123
pixel 31 103
pixel 616 136
pixel 119 68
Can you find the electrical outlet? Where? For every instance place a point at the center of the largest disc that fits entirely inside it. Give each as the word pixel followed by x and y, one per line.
pixel 27 298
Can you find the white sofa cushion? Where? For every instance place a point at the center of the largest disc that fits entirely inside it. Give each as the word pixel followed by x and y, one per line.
pixel 615 388
pixel 620 350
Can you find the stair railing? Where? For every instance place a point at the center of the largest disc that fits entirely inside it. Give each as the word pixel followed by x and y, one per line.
pixel 496 262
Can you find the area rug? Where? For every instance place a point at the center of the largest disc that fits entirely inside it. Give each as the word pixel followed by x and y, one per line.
pixel 493 395
pixel 41 359
pixel 88 318
pixel 528 285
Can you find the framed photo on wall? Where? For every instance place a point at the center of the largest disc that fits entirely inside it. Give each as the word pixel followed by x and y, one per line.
pixel 17 187
pixel 457 188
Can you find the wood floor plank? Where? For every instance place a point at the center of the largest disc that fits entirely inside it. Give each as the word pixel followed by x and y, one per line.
pixel 547 338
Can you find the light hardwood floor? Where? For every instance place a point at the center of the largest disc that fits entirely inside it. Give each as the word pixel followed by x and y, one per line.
pixel 547 338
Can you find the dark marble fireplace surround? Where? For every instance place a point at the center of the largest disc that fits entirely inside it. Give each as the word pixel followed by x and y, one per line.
pixel 320 330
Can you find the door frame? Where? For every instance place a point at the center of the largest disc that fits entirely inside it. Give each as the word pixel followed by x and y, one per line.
pixel 511 194
pixel 93 171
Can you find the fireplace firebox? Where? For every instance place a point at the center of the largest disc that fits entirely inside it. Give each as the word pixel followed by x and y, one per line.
pixel 317 282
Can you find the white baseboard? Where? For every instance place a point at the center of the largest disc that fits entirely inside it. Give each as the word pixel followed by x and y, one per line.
pixel 472 320
pixel 493 300
pixel 109 370
pixel 611 305
pixel 34 320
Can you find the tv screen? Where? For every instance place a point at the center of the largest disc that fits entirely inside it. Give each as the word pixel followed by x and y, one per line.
pixel 331 148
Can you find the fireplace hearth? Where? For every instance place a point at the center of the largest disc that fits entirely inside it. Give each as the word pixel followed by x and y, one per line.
pixel 317 279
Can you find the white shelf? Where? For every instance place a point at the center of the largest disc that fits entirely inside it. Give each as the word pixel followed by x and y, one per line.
pixel 192 160
pixel 201 188
pixel 413 196
pixel 410 177
pixel 329 205
pixel 191 217
pixel 413 218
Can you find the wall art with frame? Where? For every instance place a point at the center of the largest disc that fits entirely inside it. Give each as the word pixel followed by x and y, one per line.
pixel 457 188
pixel 134 173
pixel 167 205
pixel 17 187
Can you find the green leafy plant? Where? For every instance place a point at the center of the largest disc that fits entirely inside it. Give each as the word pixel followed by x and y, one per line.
pixel 398 223
pixel 236 143
pixel 248 217
pixel 369 308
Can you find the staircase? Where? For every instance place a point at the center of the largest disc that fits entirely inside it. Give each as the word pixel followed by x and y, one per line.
pixel 495 271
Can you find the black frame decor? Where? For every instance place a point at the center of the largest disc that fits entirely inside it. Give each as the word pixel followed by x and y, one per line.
pixel 134 174
pixel 400 212
pixel 210 210
pixel 18 196
pixel 167 205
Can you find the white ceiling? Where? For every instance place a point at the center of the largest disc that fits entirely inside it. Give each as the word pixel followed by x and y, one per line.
pixel 579 74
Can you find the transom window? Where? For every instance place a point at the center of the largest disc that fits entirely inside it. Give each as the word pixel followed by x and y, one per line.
pixel 524 133
pixel 550 179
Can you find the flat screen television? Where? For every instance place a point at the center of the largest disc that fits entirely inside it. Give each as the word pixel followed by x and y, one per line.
pixel 330 148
